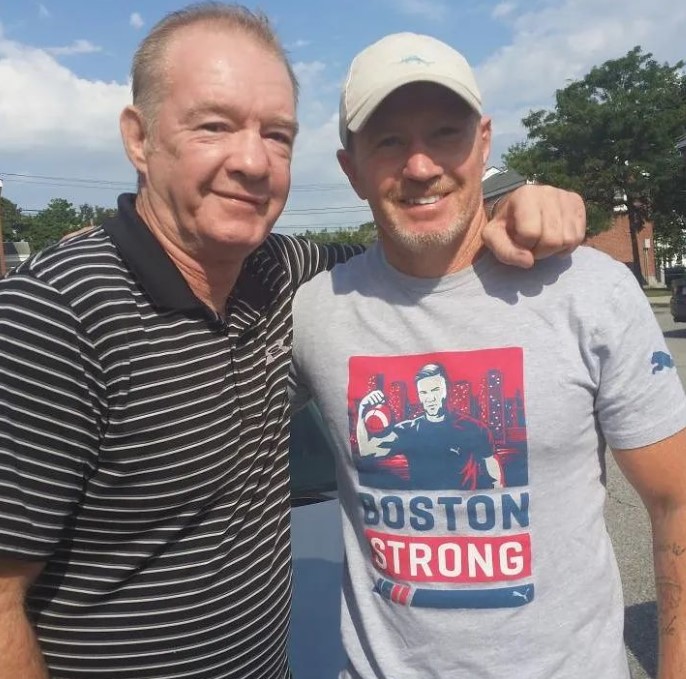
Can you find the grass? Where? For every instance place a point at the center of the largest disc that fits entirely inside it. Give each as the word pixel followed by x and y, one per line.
pixel 657 292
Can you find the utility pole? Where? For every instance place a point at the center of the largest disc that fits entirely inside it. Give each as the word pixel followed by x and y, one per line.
pixel 3 267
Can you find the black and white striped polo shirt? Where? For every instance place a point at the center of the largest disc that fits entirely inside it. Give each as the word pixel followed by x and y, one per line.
pixel 143 456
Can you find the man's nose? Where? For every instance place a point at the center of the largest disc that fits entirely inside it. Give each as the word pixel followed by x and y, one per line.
pixel 248 155
pixel 420 164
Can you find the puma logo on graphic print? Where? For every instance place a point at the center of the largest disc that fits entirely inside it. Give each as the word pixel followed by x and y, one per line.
pixel 661 360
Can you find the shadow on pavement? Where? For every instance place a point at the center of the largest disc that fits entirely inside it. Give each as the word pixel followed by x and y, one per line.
pixel 679 332
pixel 640 634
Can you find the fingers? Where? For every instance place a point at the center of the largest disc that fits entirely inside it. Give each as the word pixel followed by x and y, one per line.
pixel 535 222
pixel 562 223
pixel 505 249
pixel 373 398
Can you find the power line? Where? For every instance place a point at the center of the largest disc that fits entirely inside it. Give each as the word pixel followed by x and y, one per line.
pixel 48 180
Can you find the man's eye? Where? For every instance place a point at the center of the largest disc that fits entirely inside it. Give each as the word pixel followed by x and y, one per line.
pixel 448 131
pixel 281 137
pixel 214 126
pixel 386 142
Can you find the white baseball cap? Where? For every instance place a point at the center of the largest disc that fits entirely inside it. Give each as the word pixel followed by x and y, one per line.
pixel 397 60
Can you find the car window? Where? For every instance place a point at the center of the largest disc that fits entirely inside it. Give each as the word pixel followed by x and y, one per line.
pixel 311 457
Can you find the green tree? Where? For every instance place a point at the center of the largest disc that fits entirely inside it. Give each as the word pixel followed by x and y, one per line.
pixel 94 215
pixel 365 234
pixel 51 224
pixel 12 219
pixel 611 137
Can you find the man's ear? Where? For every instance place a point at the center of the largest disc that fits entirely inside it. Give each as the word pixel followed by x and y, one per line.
pixel 134 135
pixel 347 163
pixel 485 130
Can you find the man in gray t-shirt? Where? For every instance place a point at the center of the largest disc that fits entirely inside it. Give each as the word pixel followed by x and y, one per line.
pixel 471 405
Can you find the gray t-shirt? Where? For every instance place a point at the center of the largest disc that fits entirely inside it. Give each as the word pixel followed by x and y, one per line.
pixel 470 414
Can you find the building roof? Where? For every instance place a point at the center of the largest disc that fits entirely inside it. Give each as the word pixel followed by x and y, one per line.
pixel 501 182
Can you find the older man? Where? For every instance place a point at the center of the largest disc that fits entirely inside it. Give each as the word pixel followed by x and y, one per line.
pixel 144 523
pixel 446 579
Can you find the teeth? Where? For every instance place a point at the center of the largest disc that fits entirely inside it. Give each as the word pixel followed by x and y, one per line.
pixel 427 200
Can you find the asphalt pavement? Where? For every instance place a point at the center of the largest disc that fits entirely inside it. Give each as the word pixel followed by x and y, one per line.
pixel 629 529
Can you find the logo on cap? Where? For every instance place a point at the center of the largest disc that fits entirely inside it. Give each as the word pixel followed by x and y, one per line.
pixel 414 59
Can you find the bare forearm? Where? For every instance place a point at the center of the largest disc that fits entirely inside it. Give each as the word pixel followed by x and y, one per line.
pixel 20 655
pixel 669 541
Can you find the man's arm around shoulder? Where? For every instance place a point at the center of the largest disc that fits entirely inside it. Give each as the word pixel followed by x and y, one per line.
pixel 20 655
pixel 658 472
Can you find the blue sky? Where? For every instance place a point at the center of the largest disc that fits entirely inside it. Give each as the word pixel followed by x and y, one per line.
pixel 64 78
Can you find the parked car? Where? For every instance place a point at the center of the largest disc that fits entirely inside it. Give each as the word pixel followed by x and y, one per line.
pixel 677 302
pixel 671 273
pixel 315 645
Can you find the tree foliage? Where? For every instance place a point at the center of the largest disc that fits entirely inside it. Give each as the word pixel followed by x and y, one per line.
pixel 94 215
pixel 12 219
pixel 365 234
pixel 51 224
pixel 612 138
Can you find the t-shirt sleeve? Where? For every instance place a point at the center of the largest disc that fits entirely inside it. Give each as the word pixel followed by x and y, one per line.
pixel 50 404
pixel 640 398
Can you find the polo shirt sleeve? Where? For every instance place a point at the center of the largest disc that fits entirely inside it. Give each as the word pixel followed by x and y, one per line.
pixel 640 399
pixel 50 408
pixel 311 258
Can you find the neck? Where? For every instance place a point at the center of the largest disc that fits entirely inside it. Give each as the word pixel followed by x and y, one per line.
pixel 211 278
pixel 439 259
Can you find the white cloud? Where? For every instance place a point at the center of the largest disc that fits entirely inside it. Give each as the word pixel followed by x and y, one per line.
pixel 319 186
pixel 45 105
pixel 43 11
pixel 308 72
pixel 561 42
pixel 503 9
pixel 429 9
pixel 136 20
pixel 297 44
pixel 77 47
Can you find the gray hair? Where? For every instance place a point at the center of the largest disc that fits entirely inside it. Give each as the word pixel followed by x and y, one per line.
pixel 147 79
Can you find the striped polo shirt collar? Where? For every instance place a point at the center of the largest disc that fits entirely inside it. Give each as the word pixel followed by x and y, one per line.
pixel 158 275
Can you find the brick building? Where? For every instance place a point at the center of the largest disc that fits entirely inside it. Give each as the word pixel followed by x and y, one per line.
pixel 616 242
